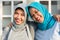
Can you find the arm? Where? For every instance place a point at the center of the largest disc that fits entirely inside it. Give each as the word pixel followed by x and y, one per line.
pixel 57 17
pixel 6 31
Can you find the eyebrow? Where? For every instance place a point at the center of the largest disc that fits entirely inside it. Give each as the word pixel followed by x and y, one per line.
pixel 20 13
pixel 15 12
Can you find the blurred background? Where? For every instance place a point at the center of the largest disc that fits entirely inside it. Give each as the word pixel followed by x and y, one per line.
pixel 7 9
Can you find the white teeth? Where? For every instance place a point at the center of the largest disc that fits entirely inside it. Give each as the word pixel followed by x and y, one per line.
pixel 18 20
pixel 38 18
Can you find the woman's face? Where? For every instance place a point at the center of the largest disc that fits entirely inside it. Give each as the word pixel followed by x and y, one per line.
pixel 19 16
pixel 36 15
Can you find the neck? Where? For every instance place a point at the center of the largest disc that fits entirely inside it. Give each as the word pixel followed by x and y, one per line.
pixel 18 27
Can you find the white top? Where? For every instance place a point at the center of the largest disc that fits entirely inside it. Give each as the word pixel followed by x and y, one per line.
pixel 50 34
pixel 16 35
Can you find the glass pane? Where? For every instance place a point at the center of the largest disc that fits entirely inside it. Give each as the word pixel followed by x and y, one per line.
pixel 58 5
pixel 6 21
pixel 43 0
pixel 54 0
pixel 54 7
pixel 6 7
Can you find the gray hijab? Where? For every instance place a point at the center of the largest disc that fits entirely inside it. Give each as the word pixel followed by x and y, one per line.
pixel 21 26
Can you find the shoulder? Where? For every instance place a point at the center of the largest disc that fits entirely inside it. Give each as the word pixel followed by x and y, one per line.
pixel 56 23
pixel 5 31
pixel 29 26
pixel 6 28
pixel 30 29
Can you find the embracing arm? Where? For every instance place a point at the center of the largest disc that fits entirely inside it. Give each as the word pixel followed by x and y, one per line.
pixel 6 31
pixel 57 17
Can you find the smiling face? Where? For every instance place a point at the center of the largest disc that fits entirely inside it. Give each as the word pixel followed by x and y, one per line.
pixel 19 16
pixel 36 15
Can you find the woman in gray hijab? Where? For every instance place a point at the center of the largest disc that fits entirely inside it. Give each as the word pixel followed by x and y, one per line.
pixel 19 30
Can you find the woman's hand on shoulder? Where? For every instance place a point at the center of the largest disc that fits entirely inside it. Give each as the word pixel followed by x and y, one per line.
pixel 57 17
pixel 10 24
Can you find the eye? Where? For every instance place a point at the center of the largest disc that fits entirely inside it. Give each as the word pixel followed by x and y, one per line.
pixel 36 12
pixel 40 16
pixel 22 14
pixel 15 13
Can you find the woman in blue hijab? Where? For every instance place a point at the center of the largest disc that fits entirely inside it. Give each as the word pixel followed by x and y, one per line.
pixel 48 27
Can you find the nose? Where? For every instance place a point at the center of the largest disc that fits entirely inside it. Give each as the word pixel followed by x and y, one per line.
pixel 36 16
pixel 18 16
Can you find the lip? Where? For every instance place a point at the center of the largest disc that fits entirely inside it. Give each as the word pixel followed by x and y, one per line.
pixel 37 19
pixel 17 20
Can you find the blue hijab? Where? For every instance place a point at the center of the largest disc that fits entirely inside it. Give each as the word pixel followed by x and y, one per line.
pixel 48 19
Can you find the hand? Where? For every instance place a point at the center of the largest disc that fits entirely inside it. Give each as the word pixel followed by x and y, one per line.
pixel 57 17
pixel 10 24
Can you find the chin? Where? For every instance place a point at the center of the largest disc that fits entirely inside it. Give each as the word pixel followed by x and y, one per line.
pixel 41 22
pixel 18 23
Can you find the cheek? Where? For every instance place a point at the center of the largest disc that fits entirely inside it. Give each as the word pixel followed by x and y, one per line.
pixel 23 17
pixel 15 16
pixel 42 19
pixel 41 16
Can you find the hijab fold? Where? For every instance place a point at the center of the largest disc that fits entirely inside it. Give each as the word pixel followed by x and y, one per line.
pixel 21 26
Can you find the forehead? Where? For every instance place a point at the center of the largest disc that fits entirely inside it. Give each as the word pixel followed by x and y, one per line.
pixel 33 9
pixel 19 11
